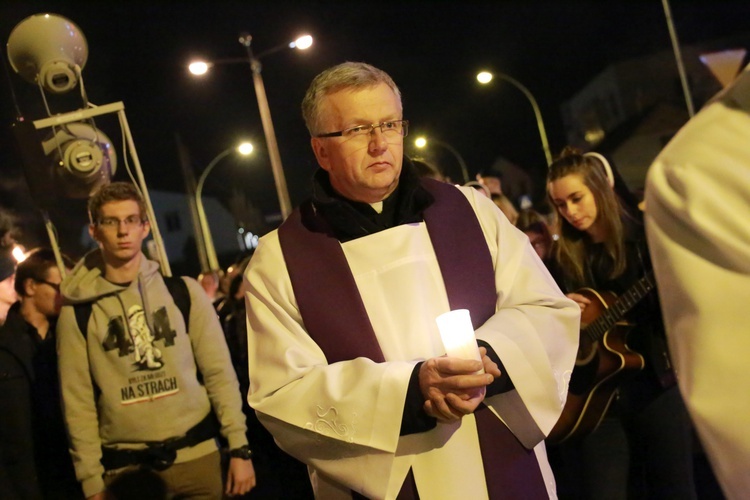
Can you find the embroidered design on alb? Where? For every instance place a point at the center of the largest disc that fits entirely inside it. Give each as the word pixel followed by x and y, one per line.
pixel 328 424
pixel 563 388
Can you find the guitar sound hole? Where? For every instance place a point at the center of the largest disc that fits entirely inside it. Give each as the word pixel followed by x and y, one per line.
pixel 586 350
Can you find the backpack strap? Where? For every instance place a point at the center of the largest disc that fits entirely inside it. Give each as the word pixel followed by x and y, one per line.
pixel 83 313
pixel 181 295
pixel 178 289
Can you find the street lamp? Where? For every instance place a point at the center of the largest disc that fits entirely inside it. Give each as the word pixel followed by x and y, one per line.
pixel 421 142
pixel 485 77
pixel 201 67
pixel 213 263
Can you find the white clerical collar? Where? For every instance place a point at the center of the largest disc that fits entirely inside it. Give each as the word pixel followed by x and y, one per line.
pixel 377 206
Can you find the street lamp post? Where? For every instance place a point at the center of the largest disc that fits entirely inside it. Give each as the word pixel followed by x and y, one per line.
pixel 265 117
pixel 485 77
pixel 421 142
pixel 213 263
pixel 201 67
pixel 678 59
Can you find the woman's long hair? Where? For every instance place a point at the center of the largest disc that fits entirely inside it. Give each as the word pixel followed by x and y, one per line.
pixel 572 248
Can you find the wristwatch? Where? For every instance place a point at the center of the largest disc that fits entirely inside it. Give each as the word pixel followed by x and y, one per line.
pixel 242 452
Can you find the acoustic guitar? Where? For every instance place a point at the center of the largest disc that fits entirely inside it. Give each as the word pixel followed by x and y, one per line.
pixel 602 333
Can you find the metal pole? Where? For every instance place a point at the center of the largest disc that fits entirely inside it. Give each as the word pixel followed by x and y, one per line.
pixel 155 233
pixel 678 58
pixel 537 114
pixel 459 158
pixel 54 243
pixel 190 184
pixel 213 262
pixel 285 203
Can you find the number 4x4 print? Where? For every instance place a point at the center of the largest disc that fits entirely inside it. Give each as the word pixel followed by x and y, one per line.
pixel 137 339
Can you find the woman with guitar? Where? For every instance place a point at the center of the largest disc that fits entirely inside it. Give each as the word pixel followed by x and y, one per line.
pixel 624 432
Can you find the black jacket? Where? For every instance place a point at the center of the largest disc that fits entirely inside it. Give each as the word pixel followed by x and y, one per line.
pixel 34 457
pixel 18 474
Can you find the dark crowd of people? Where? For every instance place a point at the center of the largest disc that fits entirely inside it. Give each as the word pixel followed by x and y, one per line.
pixel 313 367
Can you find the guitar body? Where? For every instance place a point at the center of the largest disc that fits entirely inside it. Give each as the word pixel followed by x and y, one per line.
pixel 585 409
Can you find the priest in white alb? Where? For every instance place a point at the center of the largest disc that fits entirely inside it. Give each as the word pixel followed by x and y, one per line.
pixel 347 367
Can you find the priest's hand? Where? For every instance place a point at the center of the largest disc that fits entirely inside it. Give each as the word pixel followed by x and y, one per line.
pixel 489 365
pixel 452 388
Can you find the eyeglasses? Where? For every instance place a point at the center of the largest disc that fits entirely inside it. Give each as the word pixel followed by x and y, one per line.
pixel 113 223
pixel 393 128
pixel 56 286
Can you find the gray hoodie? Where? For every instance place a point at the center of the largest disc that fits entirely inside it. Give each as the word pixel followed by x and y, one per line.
pixel 132 378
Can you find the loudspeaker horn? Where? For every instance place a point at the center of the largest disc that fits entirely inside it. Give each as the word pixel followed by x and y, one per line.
pixel 48 49
pixel 83 157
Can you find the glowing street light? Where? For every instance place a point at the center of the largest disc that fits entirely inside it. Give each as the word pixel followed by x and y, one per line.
pixel 421 142
pixel 302 43
pixel 485 77
pixel 199 68
pixel 213 263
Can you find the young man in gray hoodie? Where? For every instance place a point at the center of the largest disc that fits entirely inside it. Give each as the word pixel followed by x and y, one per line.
pixel 142 384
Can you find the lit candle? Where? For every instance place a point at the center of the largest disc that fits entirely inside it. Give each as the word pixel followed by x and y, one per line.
pixel 458 337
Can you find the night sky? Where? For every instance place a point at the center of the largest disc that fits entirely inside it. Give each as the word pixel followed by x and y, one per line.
pixel 138 52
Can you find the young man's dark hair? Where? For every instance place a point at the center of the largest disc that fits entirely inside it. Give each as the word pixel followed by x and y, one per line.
pixel 490 172
pixel 7 263
pixel 8 294
pixel 35 267
pixel 115 191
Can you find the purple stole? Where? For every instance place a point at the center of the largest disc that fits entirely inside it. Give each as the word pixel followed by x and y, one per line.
pixel 316 262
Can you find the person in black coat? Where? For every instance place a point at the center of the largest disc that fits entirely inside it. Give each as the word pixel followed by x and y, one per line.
pixel 33 443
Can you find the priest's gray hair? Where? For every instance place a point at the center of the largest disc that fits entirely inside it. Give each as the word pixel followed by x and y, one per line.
pixel 348 75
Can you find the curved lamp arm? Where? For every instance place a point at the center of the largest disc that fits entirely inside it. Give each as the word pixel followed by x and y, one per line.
pixel 459 158
pixel 537 113
pixel 213 261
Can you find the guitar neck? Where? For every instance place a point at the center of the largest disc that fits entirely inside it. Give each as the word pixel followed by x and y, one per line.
pixel 625 302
